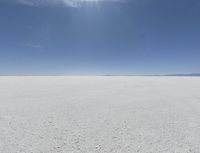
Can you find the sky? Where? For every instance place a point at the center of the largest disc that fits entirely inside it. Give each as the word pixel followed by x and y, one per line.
pixel 99 37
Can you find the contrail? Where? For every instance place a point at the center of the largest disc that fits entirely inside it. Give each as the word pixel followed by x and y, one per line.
pixel 68 3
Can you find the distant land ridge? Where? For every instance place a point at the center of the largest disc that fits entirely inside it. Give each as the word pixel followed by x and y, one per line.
pixel 190 74
pixel 180 74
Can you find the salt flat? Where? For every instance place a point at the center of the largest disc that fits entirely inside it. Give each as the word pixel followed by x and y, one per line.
pixel 99 114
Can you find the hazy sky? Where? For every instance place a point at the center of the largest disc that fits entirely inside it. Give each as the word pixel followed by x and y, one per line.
pixel 99 36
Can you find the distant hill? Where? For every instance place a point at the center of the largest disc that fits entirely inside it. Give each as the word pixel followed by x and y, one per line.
pixel 191 74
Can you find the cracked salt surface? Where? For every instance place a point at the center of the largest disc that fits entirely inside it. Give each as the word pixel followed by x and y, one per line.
pixel 99 115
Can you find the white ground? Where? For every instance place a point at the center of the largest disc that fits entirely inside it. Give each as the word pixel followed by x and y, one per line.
pixel 99 115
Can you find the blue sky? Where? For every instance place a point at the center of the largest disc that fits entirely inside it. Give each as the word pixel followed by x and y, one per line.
pixel 61 37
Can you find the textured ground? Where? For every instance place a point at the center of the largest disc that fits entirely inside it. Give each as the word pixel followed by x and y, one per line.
pixel 99 115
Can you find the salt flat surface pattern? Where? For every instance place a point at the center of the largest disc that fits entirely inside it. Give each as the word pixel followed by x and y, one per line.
pixel 99 114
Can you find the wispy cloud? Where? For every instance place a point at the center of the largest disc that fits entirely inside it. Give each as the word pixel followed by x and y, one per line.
pixel 69 3
pixel 31 45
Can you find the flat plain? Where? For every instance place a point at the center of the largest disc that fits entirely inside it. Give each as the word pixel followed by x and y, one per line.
pixel 99 114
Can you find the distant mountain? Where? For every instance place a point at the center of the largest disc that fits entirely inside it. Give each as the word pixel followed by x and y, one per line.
pixel 191 74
